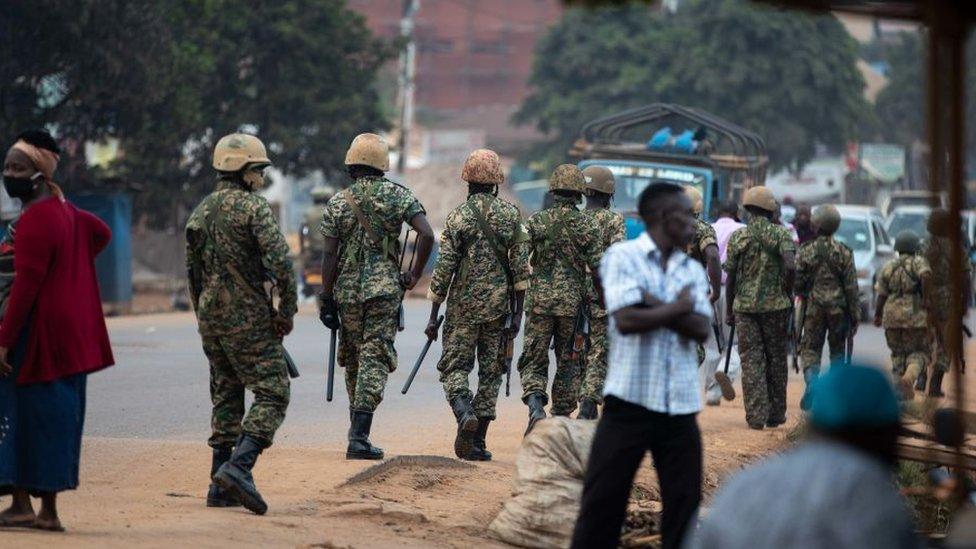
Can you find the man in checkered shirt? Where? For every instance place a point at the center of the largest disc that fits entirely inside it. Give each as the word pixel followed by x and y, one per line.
pixel 657 299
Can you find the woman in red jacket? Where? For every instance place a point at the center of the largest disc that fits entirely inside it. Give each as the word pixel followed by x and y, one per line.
pixel 52 335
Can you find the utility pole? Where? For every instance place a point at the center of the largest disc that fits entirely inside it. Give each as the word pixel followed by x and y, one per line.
pixel 408 68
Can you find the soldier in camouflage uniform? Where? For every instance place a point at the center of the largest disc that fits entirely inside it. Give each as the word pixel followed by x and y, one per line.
pixel 362 285
pixel 826 281
pixel 937 251
pixel 704 249
pixel 902 310
pixel 599 185
pixel 565 243
pixel 760 267
pixel 233 247
pixel 482 271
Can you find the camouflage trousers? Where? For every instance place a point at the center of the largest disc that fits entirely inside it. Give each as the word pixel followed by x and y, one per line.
pixel 941 345
pixel 821 323
pixel 909 351
pixel 366 349
pixel 462 343
pixel 254 361
pixel 533 365
pixel 762 348
pixel 595 369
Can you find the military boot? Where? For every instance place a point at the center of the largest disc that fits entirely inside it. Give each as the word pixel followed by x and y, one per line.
pixel 217 496
pixel 467 424
pixel 935 386
pixel 359 445
pixel 235 475
pixel 920 382
pixel 480 451
pixel 587 409
pixel 537 409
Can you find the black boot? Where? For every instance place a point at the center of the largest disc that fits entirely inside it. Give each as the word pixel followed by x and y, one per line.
pixel 235 475
pixel 467 424
pixel 920 382
pixel 537 409
pixel 359 445
pixel 935 386
pixel 480 452
pixel 217 496
pixel 587 409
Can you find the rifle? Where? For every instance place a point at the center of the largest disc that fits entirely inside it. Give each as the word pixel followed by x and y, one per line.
pixel 791 331
pixel 330 380
pixel 581 333
pixel 849 344
pixel 508 341
pixel 717 330
pixel 420 359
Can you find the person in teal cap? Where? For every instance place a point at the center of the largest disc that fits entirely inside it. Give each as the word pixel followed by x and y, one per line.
pixel 834 490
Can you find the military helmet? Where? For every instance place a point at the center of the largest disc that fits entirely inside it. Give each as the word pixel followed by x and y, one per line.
pixel 906 242
pixel 567 177
pixel 695 196
pixel 369 149
pixel 599 179
pixel 826 219
pixel 760 197
pixel 235 151
pixel 483 166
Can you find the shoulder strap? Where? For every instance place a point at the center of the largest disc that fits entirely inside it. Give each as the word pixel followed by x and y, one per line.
pixel 209 222
pixel 364 222
pixel 492 237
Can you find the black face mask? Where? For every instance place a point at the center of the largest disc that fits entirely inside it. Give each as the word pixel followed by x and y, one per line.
pixel 21 187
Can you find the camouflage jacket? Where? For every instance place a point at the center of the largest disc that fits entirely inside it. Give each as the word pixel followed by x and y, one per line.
pixel 612 230
pixel 755 257
pixel 468 271
pixel 901 279
pixel 369 270
pixel 936 252
pixel 704 237
pixel 825 274
pixel 565 242
pixel 233 246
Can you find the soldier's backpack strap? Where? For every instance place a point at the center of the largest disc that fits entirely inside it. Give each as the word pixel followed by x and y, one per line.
pixel 371 233
pixel 492 237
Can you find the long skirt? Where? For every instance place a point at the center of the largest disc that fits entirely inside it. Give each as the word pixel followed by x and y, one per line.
pixel 40 431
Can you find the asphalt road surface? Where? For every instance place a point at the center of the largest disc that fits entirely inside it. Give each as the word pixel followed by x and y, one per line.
pixel 160 389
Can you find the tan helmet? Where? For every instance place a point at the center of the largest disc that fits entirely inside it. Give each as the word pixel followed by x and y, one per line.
pixel 599 179
pixel 483 166
pixel 695 196
pixel 826 219
pixel 237 150
pixel 760 197
pixel 369 149
pixel 567 177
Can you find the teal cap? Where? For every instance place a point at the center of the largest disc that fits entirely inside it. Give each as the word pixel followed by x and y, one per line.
pixel 852 396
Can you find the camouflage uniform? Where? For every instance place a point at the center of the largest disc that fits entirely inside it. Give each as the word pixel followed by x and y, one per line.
pixel 827 280
pixel 555 293
pixel 704 237
pixel 476 287
pixel 762 308
pixel 233 246
pixel 904 317
pixel 367 289
pixel 937 251
pixel 612 229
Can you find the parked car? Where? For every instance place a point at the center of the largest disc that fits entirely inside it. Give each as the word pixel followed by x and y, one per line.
pixel 909 198
pixel 862 229
pixel 913 218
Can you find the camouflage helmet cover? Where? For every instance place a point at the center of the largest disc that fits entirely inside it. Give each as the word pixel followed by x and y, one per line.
pixel 826 219
pixel 567 177
pixel 599 179
pixel 760 197
pixel 483 166
pixel 695 196
pixel 906 242
pixel 369 149
pixel 235 151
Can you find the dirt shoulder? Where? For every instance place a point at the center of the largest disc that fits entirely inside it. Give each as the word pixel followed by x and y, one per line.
pixel 151 493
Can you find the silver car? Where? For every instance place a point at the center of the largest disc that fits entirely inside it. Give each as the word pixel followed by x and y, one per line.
pixel 862 229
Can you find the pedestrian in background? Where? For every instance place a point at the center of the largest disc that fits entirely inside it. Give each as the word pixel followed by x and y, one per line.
pixel 657 299
pixel 726 224
pixel 52 335
pixel 834 491
pixel 803 222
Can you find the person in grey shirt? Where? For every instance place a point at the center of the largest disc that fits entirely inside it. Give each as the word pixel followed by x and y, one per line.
pixel 835 490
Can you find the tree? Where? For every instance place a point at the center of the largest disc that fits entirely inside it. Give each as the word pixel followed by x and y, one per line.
pixel 790 77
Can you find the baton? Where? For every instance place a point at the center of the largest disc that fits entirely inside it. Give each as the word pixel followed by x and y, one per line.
pixel 420 359
pixel 290 364
pixel 332 357
pixel 722 378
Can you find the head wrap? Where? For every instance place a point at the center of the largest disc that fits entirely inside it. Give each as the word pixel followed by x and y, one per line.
pixel 852 397
pixel 44 161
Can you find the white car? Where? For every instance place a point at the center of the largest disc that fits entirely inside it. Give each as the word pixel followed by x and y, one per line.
pixel 862 229
pixel 913 218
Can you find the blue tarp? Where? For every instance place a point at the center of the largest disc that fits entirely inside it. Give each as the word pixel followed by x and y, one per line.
pixel 114 264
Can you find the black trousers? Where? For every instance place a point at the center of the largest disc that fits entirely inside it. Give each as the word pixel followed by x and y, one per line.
pixel 623 436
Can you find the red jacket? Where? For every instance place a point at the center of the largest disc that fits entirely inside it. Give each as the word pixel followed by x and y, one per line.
pixel 55 285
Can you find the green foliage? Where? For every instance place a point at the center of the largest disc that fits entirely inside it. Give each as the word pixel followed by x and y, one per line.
pixel 791 77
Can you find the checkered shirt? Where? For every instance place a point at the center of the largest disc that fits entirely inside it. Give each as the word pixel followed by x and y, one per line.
pixel 659 369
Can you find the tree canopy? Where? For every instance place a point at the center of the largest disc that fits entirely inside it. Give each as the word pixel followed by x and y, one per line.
pixel 788 76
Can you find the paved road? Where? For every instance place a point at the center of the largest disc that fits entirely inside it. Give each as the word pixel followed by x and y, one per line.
pixel 160 387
